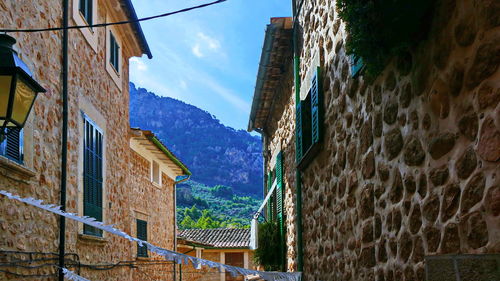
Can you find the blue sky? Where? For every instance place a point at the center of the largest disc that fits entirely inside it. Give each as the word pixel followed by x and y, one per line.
pixel 206 57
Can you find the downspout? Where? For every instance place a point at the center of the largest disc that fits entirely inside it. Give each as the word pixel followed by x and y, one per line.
pixel 180 265
pixel 298 177
pixel 64 143
pixel 185 178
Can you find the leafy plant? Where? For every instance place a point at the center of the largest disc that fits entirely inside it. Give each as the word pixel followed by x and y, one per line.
pixel 268 252
pixel 381 29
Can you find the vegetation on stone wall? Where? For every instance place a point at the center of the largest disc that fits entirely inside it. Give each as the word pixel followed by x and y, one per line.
pixel 381 29
pixel 268 252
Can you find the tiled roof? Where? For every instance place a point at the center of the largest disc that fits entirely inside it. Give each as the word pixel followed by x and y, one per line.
pixel 217 237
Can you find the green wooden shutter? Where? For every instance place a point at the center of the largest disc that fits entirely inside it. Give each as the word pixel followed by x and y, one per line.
pixel 142 233
pixel 280 194
pixel 298 134
pixel 268 205
pixel 316 107
pixel 92 175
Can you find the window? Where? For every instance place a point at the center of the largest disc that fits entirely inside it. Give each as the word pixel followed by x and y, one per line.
pixel 155 173
pixel 114 52
pixel 12 146
pixel 86 10
pixel 275 207
pixel 356 65
pixel 92 174
pixel 309 122
pixel 142 233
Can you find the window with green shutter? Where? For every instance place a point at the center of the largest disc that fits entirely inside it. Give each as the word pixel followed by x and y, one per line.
pixel 86 9
pixel 142 233
pixel 92 174
pixel 309 122
pixel 280 207
pixel 12 146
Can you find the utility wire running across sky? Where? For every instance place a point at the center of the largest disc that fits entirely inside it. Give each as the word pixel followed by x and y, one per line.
pixel 112 23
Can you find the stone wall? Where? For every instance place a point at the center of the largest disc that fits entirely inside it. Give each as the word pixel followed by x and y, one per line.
pixel 91 89
pixel 409 162
pixel 206 273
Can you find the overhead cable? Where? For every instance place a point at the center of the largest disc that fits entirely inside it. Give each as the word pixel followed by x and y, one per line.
pixel 29 30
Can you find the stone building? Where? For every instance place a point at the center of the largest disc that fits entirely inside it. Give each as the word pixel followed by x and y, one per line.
pixel 119 176
pixel 401 169
pixel 225 245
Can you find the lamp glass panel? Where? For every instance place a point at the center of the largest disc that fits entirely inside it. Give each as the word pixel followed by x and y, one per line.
pixel 23 99
pixel 5 85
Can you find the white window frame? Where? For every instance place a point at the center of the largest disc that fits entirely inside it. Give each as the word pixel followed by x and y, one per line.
pixel 116 74
pixel 87 109
pixel 88 33
pixel 159 173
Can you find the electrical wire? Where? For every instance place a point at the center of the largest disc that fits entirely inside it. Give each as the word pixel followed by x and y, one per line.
pixel 112 23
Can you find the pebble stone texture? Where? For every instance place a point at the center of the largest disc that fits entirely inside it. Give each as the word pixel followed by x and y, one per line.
pixel 25 228
pixel 410 163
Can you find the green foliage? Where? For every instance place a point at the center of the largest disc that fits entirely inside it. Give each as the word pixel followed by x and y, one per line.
pixel 222 191
pixel 268 252
pixel 381 29
pixel 220 207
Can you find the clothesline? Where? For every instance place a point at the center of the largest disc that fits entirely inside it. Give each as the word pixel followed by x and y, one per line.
pixel 167 254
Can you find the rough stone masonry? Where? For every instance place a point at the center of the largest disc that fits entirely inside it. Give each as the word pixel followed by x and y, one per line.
pixel 410 163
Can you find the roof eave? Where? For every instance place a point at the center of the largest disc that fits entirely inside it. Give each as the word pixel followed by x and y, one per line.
pixel 261 74
pixel 169 154
pixel 129 7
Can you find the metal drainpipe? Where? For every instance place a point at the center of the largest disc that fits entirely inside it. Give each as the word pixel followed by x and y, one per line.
pixel 175 221
pixel 180 265
pixel 64 143
pixel 298 176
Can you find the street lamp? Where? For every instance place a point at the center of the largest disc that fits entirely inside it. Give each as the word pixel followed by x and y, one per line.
pixel 18 89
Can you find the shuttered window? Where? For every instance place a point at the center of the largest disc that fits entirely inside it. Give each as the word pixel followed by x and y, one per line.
pixel 142 233
pixel 92 174
pixel 12 146
pixel 280 198
pixel 309 122
pixel 114 52
pixel 86 8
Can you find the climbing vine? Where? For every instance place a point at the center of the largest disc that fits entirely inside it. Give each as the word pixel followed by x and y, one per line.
pixel 381 29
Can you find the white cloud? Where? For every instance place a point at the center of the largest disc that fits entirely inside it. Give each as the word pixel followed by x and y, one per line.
pixel 212 43
pixel 204 44
pixel 138 64
pixel 196 51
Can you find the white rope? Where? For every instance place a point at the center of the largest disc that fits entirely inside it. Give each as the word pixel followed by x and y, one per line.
pixel 273 187
pixel 169 255
pixel 70 275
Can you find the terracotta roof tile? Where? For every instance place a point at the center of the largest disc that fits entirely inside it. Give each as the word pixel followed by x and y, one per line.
pixel 217 237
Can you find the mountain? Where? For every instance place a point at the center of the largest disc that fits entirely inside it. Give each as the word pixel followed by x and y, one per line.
pixel 214 153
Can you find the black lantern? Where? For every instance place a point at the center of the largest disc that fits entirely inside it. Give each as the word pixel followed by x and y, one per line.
pixel 18 89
